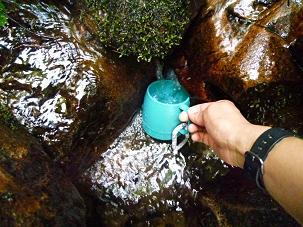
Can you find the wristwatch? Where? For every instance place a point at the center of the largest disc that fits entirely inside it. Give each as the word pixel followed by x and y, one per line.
pixel 254 159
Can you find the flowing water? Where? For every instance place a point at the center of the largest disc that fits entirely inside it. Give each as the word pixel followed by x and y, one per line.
pixel 136 165
pixel 147 176
pixel 63 86
pixel 140 182
pixel 169 93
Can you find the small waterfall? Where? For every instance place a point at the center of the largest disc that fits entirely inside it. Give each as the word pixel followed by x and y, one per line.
pixel 159 71
pixel 170 74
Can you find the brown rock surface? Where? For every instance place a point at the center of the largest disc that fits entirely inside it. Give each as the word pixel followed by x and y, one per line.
pixel 241 49
pixel 68 92
pixel 62 84
pixel 74 96
pixel 33 191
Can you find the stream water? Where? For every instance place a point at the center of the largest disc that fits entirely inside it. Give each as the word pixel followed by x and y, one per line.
pixel 140 182
pixel 145 175
pixel 136 166
pixel 76 98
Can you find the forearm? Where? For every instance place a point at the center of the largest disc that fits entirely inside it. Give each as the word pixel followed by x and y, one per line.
pixel 283 175
pixel 221 126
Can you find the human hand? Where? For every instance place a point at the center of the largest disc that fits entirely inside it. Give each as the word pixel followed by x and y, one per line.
pixel 221 126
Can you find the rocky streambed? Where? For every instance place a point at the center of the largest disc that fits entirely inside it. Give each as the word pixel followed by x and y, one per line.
pixel 72 150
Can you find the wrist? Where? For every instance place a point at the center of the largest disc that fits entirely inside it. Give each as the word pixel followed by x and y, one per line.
pixel 248 135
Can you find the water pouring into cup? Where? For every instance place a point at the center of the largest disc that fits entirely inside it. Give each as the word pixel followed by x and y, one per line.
pixel 163 102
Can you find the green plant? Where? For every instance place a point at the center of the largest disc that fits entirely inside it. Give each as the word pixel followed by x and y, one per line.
pixel 7 118
pixel 3 15
pixel 143 28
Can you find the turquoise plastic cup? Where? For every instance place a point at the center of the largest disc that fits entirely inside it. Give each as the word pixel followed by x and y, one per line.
pixel 163 102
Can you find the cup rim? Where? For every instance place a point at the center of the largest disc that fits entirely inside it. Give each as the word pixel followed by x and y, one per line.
pixel 162 103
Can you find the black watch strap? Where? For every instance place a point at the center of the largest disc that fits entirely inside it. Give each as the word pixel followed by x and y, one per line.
pixel 263 145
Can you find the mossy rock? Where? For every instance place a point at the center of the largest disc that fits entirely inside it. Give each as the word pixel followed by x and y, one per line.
pixel 7 118
pixel 3 15
pixel 143 28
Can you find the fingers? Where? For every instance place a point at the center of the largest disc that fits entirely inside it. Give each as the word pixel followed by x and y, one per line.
pixel 183 116
pixel 198 134
pixel 192 128
pixel 197 137
pixel 200 137
pixel 195 113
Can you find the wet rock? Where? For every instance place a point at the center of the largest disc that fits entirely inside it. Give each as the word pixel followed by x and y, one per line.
pixel 144 182
pixel 296 50
pixel 139 181
pixel 235 201
pixel 62 84
pixel 76 98
pixel 195 6
pixel 234 48
pixel 68 92
pixel 32 190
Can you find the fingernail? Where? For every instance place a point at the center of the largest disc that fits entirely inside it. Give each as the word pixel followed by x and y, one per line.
pixel 183 116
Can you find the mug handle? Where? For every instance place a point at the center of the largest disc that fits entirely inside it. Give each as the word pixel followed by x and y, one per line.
pixel 185 108
pixel 183 126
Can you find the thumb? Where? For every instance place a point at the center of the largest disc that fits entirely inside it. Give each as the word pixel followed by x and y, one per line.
pixel 195 113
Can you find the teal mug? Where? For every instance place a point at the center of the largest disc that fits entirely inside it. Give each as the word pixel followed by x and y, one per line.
pixel 163 102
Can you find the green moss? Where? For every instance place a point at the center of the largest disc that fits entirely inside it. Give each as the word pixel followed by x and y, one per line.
pixel 143 28
pixel 7 118
pixel 3 15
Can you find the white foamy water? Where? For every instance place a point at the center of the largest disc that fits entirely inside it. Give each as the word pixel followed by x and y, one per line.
pixel 173 96
pixel 135 165
pixel 169 92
